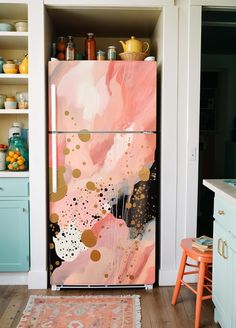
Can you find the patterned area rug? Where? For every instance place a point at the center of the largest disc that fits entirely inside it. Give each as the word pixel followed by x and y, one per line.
pixel 82 312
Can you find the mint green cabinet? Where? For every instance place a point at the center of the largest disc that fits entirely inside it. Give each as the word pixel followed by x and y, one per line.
pixel 14 225
pixel 224 263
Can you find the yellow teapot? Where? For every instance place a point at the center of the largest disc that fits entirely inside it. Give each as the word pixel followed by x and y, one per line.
pixel 23 67
pixel 134 45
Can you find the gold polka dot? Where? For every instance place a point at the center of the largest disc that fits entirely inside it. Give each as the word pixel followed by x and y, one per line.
pixel 144 174
pixel 77 146
pixel 131 277
pixel 54 218
pixel 51 245
pixel 69 139
pixel 57 263
pixel 88 238
pixel 51 267
pixel 76 173
pixel 67 112
pixel 84 135
pixel 66 151
pixel 95 255
pixel 90 185
pixel 106 275
pixel 128 205
pixel 104 211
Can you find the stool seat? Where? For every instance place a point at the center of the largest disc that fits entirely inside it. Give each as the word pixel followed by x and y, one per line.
pixel 204 261
pixel 194 253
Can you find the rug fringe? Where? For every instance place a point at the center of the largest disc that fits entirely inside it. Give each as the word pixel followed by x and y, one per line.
pixel 137 305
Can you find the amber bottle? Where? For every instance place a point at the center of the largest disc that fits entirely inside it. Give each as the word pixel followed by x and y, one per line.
pixel 90 47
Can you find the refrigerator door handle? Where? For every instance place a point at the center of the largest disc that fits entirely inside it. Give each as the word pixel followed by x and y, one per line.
pixel 54 138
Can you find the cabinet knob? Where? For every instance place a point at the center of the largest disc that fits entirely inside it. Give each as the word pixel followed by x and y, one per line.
pixel 1 188
pixel 220 212
pixel 23 209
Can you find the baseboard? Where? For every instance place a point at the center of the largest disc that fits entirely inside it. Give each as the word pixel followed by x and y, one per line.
pixel 37 280
pixel 14 278
pixel 168 277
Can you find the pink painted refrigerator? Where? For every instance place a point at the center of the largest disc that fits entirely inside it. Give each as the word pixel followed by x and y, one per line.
pixel 102 173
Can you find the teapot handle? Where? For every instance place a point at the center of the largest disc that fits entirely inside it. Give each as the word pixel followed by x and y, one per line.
pixel 147 46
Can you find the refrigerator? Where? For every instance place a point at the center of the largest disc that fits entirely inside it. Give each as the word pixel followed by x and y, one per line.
pixel 102 174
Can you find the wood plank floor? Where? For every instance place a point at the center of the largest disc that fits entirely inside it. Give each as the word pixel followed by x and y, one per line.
pixel 157 311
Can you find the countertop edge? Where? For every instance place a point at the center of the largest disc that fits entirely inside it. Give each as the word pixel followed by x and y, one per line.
pixel 219 187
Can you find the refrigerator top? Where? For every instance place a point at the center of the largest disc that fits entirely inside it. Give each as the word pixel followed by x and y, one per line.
pixel 102 96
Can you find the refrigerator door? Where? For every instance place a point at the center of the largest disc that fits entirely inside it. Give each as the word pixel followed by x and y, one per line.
pixel 103 209
pixel 102 96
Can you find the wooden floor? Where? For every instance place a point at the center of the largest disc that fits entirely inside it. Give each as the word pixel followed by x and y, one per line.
pixel 157 310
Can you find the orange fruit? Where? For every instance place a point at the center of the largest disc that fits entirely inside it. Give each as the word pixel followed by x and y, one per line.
pixel 20 162
pixel 61 56
pixel 21 167
pixel 10 167
pixel 11 153
pixel 8 158
pixel 12 160
pixel 15 156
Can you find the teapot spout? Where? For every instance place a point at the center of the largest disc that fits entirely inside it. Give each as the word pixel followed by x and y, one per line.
pixel 123 45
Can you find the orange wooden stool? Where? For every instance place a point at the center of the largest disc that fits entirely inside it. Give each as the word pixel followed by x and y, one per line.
pixel 204 260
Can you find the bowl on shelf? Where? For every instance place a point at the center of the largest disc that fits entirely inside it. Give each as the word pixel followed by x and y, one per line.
pixel 10 68
pixel 6 27
pixel 131 55
pixel 10 103
pixel 21 26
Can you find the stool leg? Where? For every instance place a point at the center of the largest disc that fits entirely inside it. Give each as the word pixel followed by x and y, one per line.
pixel 200 284
pixel 179 277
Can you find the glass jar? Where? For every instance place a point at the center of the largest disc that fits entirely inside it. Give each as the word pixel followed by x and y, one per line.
pixel 111 53
pixel 1 64
pixel 70 50
pixel 90 47
pixel 61 48
pixel 3 159
pixel 17 155
pixel 100 55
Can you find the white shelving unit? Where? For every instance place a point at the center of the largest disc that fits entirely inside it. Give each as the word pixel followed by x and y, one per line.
pixel 13 78
pixel 14 40
pixel 14 111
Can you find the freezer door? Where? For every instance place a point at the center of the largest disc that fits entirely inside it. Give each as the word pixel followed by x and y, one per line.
pixel 103 211
pixel 102 96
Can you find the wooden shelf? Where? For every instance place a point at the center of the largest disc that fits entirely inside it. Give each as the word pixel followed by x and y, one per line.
pixel 14 40
pixel 14 111
pixel 13 78
pixel 9 174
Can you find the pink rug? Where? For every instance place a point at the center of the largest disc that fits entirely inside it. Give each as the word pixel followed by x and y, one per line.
pixel 82 312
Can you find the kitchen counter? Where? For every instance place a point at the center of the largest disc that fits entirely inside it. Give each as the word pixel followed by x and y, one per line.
pixel 221 188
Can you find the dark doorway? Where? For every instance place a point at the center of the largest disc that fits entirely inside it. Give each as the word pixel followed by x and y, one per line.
pixel 217 135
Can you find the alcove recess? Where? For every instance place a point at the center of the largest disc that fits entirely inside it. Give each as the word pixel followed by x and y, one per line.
pixel 109 25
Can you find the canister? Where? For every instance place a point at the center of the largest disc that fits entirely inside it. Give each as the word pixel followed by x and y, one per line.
pixel 100 55
pixel 111 53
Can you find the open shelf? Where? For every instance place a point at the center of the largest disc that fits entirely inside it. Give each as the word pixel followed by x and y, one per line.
pixel 10 174
pixel 13 78
pixel 14 111
pixel 14 40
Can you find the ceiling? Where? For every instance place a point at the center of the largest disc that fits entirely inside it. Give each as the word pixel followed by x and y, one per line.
pixel 103 22
pixel 219 32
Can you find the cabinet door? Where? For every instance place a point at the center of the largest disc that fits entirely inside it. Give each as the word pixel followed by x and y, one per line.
pixel 233 270
pixel 14 236
pixel 222 287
